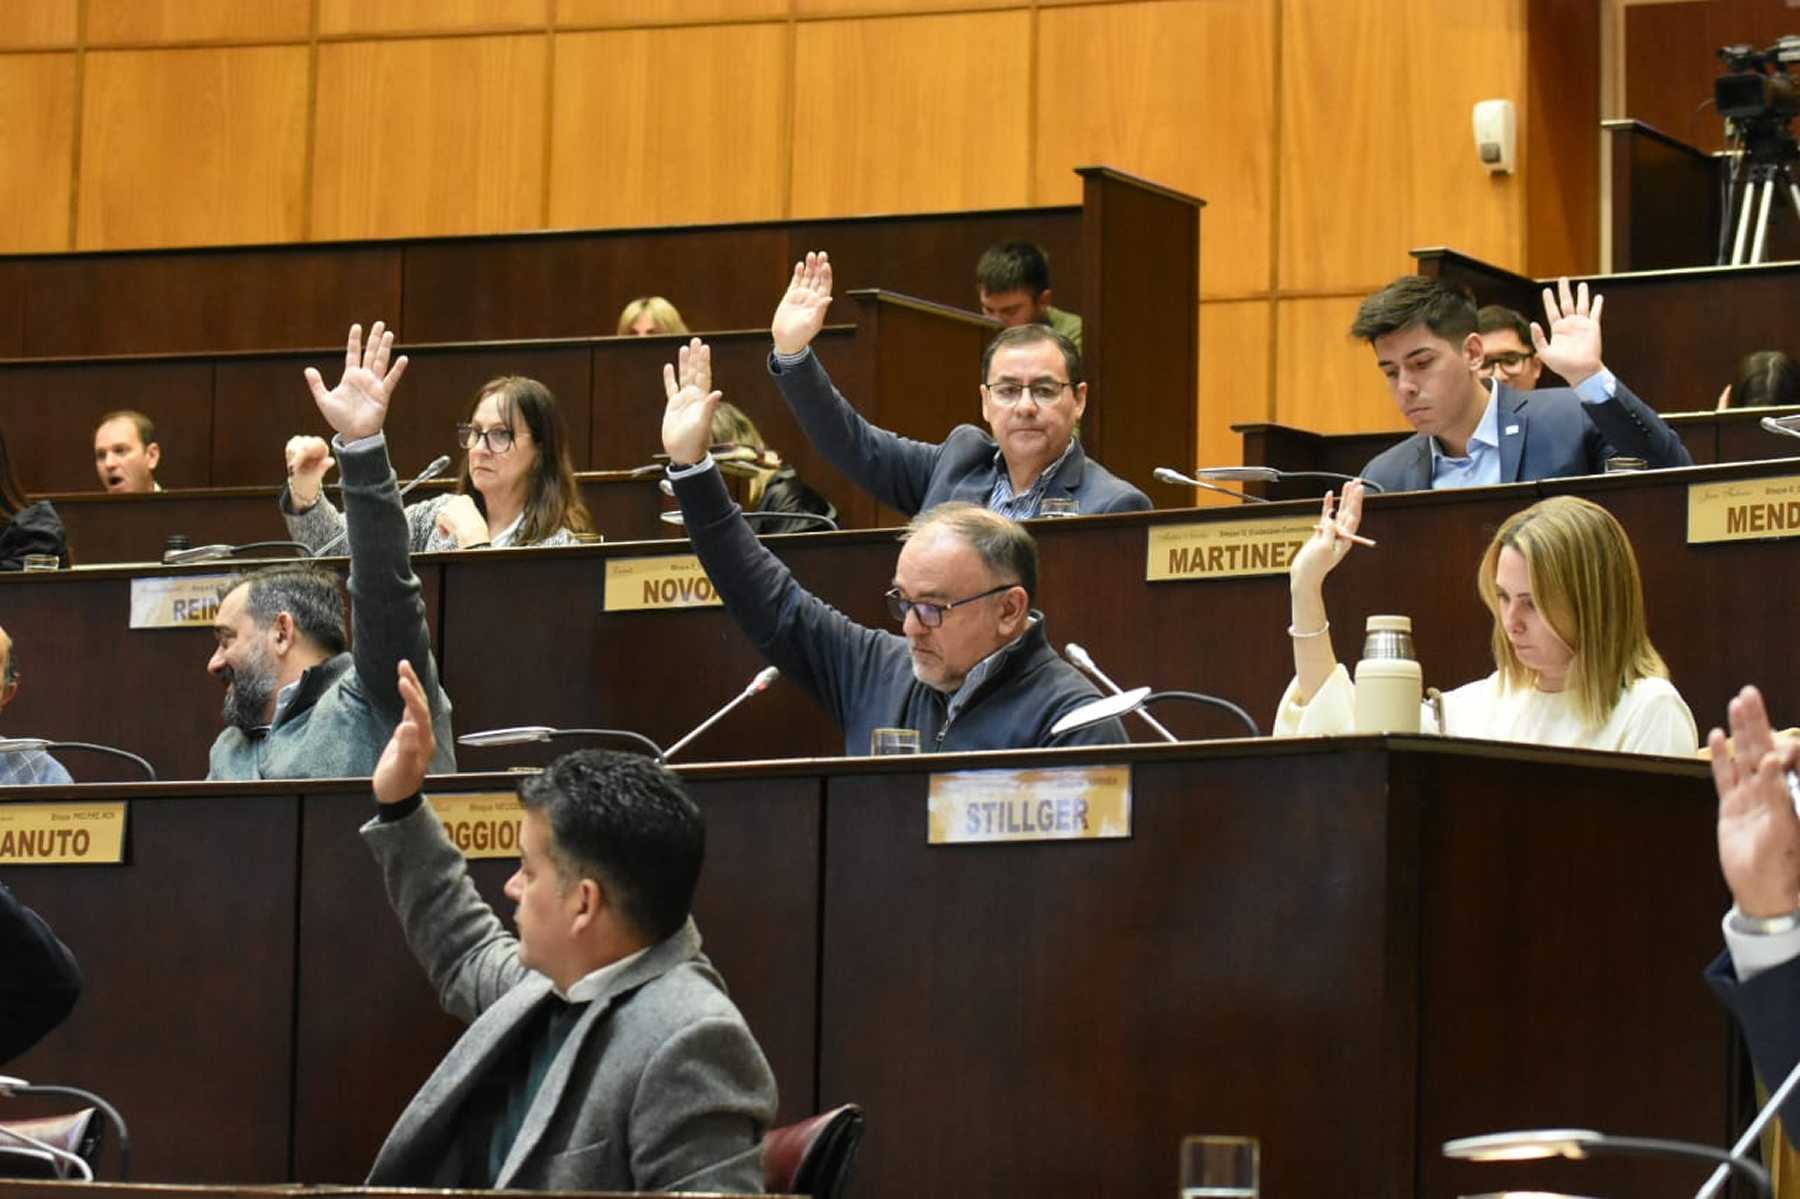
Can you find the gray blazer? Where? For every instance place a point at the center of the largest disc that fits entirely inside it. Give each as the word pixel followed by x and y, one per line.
pixel 659 1087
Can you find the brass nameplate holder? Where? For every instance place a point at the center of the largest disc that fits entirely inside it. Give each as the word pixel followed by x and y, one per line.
pixel 483 824
pixel 1071 803
pixel 176 601
pixel 1224 549
pixel 62 834
pixel 655 584
pixel 1744 510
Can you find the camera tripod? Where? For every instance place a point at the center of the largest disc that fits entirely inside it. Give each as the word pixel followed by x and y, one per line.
pixel 1770 155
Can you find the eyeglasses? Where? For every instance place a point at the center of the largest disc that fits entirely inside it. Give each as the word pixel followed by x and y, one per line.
pixel 932 615
pixel 1043 391
pixel 1510 363
pixel 499 439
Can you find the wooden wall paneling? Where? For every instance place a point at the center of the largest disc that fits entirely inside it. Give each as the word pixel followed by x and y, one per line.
pixel 1324 380
pixel 628 394
pixel 135 528
pixel 13 304
pixel 111 22
pixel 1671 61
pixel 189 978
pixel 661 12
pixel 260 402
pixel 55 409
pixel 629 149
pixel 575 287
pixel 1559 112
pixel 933 258
pixel 861 8
pixel 356 18
pixel 1117 86
pixel 34 24
pixel 235 121
pixel 1234 381
pixel 37 150
pixel 1666 208
pixel 251 299
pixel 457 145
pixel 909 114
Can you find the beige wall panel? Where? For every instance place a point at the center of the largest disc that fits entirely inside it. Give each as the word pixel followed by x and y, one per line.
pixel 910 114
pixel 628 150
pixel 458 148
pixel 1324 381
pixel 621 12
pixel 858 8
pixel 1180 93
pixel 361 17
pixel 1234 377
pixel 37 114
pixel 1377 154
pixel 192 147
pixel 31 23
pixel 110 22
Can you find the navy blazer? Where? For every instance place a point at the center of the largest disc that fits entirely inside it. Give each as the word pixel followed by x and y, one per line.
pixel 915 475
pixel 1546 435
pixel 1767 1008
pixel 39 981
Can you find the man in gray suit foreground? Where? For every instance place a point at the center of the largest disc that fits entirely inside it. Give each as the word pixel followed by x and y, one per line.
pixel 603 1053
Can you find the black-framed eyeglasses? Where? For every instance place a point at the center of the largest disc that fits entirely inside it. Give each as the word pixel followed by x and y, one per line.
pixel 1509 363
pixel 499 439
pixel 1043 391
pixel 932 615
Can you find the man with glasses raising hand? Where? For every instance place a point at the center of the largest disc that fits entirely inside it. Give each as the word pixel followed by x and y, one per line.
pixel 973 669
pixel 1032 395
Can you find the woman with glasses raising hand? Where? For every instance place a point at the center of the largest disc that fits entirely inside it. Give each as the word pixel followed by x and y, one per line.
pixel 516 488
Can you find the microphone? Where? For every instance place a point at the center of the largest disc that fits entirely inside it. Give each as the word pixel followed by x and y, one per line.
pixel 205 553
pixel 438 466
pixel 525 734
pixel 1268 474
pixel 60 1159
pixel 1787 425
pixel 1166 475
pixel 1109 706
pixel 1085 662
pixel 1769 1110
pixel 18 1086
pixel 674 516
pixel 758 685
pixel 20 745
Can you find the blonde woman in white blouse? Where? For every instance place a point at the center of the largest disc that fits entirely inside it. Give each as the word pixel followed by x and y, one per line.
pixel 1575 665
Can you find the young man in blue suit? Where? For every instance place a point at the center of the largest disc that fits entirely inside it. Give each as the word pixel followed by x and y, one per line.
pixel 1473 432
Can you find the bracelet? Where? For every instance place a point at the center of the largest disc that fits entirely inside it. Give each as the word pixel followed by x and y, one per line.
pixel 1318 632
pixel 1764 926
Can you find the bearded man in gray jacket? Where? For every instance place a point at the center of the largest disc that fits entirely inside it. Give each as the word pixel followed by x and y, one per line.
pixel 603 1053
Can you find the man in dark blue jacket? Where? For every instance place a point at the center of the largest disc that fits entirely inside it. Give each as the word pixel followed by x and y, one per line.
pixel 974 669
pixel 39 981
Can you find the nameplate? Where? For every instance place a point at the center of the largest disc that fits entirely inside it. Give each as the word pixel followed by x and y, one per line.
pixel 651 584
pixel 1744 510
pixel 176 601
pixel 62 834
pixel 1225 549
pixel 1071 803
pixel 483 824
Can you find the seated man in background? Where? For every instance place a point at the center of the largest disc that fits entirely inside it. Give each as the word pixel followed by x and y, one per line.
pixel 1506 350
pixel 1032 396
pixel 1472 434
pixel 302 701
pixel 126 452
pixel 974 669
pixel 1758 975
pixel 39 981
pixel 602 1052
pixel 1012 282
pixel 29 767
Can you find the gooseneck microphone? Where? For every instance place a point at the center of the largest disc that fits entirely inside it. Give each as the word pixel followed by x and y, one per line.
pixel 18 1086
pixel 206 553
pixel 1268 474
pixel 62 1162
pixel 1085 662
pixel 757 686
pixel 438 466
pixel 19 745
pixel 674 516
pixel 1166 474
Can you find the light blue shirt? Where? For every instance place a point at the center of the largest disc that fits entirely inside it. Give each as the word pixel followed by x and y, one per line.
pixel 1025 505
pixel 1480 467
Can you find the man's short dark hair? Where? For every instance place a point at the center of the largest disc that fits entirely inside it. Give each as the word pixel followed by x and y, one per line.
pixel 1028 335
pixel 626 822
pixel 1449 312
pixel 1002 544
pixel 1012 265
pixel 312 595
pixel 145 427
pixel 12 666
pixel 1497 318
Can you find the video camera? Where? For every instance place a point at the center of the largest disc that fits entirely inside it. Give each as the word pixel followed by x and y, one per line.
pixel 1757 85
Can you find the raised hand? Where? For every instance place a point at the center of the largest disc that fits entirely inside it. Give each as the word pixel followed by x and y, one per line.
pixel 1572 348
pixel 687 421
pixel 401 771
pixel 309 460
pixel 1759 834
pixel 801 313
pixel 463 521
pixel 1331 540
pixel 357 406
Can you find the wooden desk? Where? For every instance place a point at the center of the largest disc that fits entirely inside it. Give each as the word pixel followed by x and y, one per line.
pixel 1351 948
